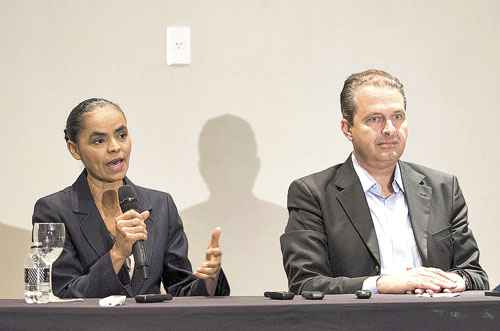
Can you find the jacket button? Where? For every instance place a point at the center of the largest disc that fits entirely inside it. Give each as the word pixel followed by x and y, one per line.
pixel 377 269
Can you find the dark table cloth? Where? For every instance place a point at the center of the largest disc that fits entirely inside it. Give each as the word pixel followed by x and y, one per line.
pixel 469 311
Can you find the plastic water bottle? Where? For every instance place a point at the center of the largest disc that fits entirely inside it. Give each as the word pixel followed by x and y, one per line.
pixel 36 277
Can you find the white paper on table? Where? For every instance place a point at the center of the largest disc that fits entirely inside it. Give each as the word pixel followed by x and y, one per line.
pixel 112 301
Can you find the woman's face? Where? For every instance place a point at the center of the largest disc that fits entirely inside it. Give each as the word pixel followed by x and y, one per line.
pixel 103 144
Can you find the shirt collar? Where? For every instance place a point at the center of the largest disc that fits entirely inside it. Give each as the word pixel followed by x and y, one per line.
pixel 370 184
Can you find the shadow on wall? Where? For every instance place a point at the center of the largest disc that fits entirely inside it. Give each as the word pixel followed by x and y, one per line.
pixel 14 246
pixel 251 227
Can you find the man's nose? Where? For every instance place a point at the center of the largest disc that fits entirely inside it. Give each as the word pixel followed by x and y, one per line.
pixel 389 128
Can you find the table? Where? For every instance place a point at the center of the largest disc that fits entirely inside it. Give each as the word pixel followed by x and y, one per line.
pixel 470 311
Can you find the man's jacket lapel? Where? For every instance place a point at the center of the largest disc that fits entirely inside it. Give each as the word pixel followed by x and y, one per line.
pixel 352 199
pixel 418 197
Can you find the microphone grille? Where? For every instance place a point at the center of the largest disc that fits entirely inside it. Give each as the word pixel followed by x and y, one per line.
pixel 127 198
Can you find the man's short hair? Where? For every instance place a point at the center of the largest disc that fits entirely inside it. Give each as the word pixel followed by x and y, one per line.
pixel 372 77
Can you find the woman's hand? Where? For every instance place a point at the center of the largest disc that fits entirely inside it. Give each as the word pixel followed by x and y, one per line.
pixel 210 268
pixel 130 227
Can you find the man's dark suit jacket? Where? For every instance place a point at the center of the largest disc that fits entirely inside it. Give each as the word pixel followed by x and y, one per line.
pixel 84 268
pixel 330 244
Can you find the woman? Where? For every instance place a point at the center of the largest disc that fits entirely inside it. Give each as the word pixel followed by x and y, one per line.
pixel 96 261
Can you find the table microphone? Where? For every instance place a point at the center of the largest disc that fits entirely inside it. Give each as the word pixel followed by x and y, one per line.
pixel 128 200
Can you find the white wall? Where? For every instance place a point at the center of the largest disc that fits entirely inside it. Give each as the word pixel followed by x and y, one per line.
pixel 277 67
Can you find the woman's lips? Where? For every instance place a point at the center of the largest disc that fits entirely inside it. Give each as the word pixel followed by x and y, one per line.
pixel 116 164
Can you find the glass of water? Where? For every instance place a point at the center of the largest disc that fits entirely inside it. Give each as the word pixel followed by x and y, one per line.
pixel 51 239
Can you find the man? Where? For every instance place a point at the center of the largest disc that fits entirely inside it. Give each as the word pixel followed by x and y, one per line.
pixel 375 222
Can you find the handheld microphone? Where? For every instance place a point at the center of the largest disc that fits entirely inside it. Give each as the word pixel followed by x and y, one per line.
pixel 128 200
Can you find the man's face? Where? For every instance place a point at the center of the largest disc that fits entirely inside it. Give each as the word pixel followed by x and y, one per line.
pixel 379 130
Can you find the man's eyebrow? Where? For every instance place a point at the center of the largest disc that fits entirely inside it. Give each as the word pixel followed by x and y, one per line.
pixel 121 128
pixel 97 133
pixel 373 113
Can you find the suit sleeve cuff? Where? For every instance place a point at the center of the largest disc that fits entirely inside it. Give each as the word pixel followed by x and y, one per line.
pixel 371 284
pixel 466 277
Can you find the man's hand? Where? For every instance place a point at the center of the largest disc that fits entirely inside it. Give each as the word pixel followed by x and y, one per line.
pixel 457 279
pixel 451 275
pixel 209 269
pixel 420 280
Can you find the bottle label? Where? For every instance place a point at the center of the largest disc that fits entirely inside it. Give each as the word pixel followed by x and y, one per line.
pixel 34 275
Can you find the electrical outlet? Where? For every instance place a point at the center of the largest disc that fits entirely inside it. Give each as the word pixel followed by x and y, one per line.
pixel 178 45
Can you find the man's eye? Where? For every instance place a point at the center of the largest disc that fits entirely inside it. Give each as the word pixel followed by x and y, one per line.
pixel 374 119
pixel 399 117
pixel 98 141
pixel 123 135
